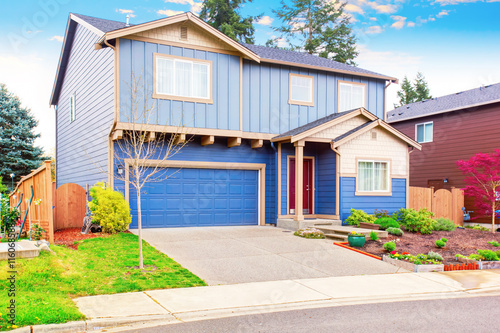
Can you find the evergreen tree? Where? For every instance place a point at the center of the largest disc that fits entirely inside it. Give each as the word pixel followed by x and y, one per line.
pixel 224 16
pixel 319 27
pixel 413 92
pixel 18 155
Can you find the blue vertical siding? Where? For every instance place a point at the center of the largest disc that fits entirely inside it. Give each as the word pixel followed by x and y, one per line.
pixel 370 203
pixel 136 60
pixel 218 152
pixel 266 94
pixel 82 145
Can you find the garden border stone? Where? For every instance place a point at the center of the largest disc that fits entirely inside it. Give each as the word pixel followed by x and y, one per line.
pixel 412 267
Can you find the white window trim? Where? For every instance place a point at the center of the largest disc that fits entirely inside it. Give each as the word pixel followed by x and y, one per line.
pixel 157 95
pixel 72 107
pixel 416 132
pixel 387 192
pixel 296 102
pixel 350 83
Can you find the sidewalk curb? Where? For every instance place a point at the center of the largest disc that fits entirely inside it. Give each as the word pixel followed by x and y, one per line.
pixel 98 324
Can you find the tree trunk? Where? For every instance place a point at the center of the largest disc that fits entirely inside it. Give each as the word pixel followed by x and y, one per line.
pixel 310 25
pixel 139 224
pixel 493 217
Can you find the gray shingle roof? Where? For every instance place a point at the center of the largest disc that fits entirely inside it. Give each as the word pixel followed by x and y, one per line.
pixel 457 101
pixel 102 24
pixel 354 130
pixel 304 58
pixel 313 124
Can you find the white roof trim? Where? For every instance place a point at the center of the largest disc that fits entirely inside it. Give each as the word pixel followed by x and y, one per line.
pixel 86 25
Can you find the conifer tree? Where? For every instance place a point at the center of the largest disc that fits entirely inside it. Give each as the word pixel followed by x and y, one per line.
pixel 18 153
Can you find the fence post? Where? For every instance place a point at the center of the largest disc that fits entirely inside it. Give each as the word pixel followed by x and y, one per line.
pixel 432 199
pixel 49 201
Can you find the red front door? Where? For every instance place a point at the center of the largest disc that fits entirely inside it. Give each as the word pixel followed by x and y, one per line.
pixel 307 188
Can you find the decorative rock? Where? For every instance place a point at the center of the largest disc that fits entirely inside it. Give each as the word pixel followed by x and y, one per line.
pixel 44 247
pixel 42 241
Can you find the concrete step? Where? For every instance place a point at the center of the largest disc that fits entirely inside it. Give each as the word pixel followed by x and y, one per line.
pixel 337 237
pixel 345 230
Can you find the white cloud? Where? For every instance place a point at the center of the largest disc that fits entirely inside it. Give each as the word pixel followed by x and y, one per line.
pixel 169 12
pixel 196 7
pixel 30 32
pixel 456 2
pixel 373 19
pixel 443 13
pixel 353 9
pixel 400 22
pixel 265 20
pixel 57 38
pixel 383 9
pixel 181 2
pixel 374 29
pixel 410 24
pixel 130 12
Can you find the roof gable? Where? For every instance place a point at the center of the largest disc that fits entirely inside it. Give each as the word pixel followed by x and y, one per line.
pixel 458 101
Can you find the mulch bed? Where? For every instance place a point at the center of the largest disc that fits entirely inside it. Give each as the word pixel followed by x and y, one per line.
pixel 463 241
pixel 69 236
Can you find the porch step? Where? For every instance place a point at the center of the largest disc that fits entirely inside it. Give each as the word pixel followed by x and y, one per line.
pixel 290 224
pixel 341 232
pixel 337 237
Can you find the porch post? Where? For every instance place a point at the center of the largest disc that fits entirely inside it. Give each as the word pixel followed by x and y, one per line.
pixel 299 179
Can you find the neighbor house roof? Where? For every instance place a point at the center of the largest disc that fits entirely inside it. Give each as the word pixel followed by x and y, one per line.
pixel 458 101
pixel 108 29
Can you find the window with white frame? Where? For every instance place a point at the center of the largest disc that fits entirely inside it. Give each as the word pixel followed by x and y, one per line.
pixel 72 108
pixel 301 89
pixel 351 96
pixel 183 79
pixel 424 132
pixel 373 176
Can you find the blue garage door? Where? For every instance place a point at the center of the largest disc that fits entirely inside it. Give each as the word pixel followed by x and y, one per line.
pixel 199 197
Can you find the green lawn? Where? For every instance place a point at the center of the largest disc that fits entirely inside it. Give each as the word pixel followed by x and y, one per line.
pixel 46 284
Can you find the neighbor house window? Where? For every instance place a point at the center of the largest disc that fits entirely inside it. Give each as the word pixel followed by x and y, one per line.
pixel 301 89
pixel 351 96
pixel 373 176
pixel 424 132
pixel 72 108
pixel 183 79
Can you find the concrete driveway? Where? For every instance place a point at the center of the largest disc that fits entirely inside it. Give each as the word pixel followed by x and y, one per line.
pixel 229 255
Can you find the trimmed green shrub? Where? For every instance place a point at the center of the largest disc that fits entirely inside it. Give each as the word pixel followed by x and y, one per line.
pixel 442 224
pixel 434 256
pixel 488 255
pixel 419 221
pixel 441 242
pixel 494 243
pixel 109 209
pixel 395 231
pixel 389 246
pixel 358 216
pixel 373 236
pixel 401 214
pixel 387 222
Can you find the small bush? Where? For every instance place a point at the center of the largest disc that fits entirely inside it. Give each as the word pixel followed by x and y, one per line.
pixel 434 256
pixel 311 233
pixel 441 242
pixel 477 227
pixel 373 236
pixel 494 243
pixel 419 221
pixel 395 231
pixel 488 255
pixel 387 222
pixel 109 209
pixel 358 216
pixel 389 246
pixel 401 215
pixel 381 213
pixel 442 224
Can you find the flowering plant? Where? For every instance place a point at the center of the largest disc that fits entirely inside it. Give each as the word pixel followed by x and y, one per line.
pixel 354 233
pixel 310 233
pixel 419 259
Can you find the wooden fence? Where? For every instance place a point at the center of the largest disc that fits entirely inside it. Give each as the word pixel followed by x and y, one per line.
pixel 443 203
pixel 69 206
pixel 41 181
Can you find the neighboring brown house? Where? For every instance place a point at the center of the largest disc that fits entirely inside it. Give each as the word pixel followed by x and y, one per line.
pixel 449 128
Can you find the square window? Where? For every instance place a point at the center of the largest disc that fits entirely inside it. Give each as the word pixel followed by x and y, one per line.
pixel 301 89
pixel 373 176
pixel 424 132
pixel 351 96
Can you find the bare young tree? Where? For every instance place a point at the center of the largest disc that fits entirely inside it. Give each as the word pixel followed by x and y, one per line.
pixel 141 152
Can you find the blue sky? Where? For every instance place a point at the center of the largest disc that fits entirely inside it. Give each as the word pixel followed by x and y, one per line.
pixel 455 43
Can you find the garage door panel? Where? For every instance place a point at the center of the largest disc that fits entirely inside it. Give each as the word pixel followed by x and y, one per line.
pixel 200 197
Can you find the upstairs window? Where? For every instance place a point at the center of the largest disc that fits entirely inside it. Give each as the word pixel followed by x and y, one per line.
pixel 72 108
pixel 424 132
pixel 373 176
pixel 351 96
pixel 301 89
pixel 183 79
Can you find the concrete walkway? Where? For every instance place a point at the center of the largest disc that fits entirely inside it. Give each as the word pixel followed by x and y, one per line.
pixel 229 255
pixel 159 307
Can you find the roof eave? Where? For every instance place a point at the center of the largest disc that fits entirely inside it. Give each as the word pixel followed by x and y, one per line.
pixel 53 99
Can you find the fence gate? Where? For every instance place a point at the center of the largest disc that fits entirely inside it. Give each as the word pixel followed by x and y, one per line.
pixel 443 203
pixel 69 206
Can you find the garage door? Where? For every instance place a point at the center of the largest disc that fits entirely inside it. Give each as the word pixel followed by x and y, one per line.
pixel 199 197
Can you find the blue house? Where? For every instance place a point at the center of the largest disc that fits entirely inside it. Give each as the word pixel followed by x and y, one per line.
pixel 275 134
